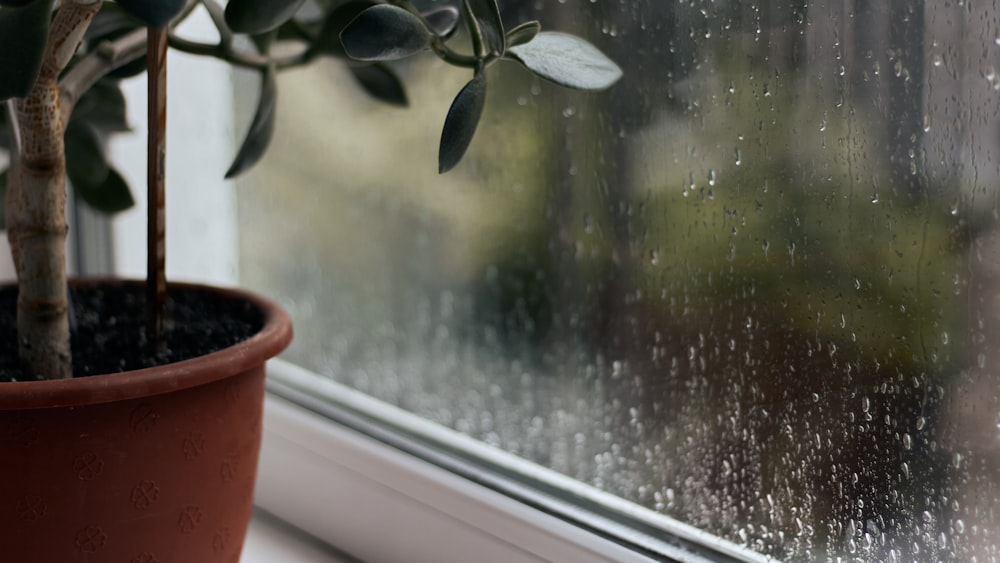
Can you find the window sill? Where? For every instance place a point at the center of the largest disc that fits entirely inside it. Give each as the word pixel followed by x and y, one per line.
pixel 269 540
pixel 379 503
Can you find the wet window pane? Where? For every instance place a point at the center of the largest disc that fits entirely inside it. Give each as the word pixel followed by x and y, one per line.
pixel 754 286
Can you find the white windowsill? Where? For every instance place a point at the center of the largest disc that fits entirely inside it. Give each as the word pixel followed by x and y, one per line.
pixel 270 540
pixel 378 503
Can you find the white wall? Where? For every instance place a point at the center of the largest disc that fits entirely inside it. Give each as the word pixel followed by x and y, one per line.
pixel 201 207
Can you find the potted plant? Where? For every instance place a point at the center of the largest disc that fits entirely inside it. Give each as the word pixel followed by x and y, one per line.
pixel 134 437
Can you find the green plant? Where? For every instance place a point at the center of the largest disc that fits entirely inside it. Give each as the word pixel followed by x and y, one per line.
pixel 60 67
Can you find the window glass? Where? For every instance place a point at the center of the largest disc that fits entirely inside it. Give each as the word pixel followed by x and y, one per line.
pixel 753 286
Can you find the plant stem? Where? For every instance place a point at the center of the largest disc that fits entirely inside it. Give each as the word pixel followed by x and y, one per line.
pixel 217 14
pixel 106 58
pixel 156 151
pixel 237 58
pixel 478 44
pixel 36 206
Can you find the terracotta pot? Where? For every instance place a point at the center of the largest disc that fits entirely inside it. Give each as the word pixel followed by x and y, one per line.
pixel 149 466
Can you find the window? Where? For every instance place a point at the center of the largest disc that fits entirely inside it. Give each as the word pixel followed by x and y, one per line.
pixel 752 288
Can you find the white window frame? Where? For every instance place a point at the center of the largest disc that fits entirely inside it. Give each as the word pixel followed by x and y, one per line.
pixel 384 484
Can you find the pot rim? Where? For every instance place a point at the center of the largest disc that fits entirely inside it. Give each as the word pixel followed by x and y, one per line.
pixel 273 337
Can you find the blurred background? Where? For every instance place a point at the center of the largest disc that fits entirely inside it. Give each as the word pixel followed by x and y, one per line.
pixel 753 286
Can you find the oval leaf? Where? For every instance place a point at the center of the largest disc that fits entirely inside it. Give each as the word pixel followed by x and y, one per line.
pixel 327 42
pixel 128 70
pixel 103 107
pixel 384 33
pixel 382 83
pixel 567 60
pixel 461 122
pixel 23 32
pixel 85 163
pixel 258 16
pixel 155 13
pixel 444 21
pixel 111 196
pixel 487 18
pixel 523 33
pixel 261 128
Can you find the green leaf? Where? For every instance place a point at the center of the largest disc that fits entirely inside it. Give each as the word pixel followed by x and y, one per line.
pixel 103 106
pixel 97 184
pixel 382 83
pixel 111 196
pixel 134 68
pixel 85 162
pixel 155 13
pixel 567 60
pixel 523 33
pixel 383 33
pixel 261 128
pixel 461 122
pixel 487 16
pixel 23 32
pixel 257 16
pixel 294 30
pixel 444 20
pixel 327 42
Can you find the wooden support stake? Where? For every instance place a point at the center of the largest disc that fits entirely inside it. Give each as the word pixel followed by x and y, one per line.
pixel 156 152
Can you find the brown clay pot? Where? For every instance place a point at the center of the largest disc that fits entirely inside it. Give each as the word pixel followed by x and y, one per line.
pixel 149 466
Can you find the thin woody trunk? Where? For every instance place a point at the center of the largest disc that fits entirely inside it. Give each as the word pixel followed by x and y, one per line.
pixel 36 206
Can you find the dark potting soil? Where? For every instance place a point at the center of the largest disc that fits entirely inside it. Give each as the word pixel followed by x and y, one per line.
pixel 109 328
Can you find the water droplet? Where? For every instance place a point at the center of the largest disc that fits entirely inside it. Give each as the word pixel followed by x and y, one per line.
pixel 875 197
pixel 569 111
pixel 921 422
pixel 959 526
pixel 865 404
pixel 907 442
pixel 711 177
